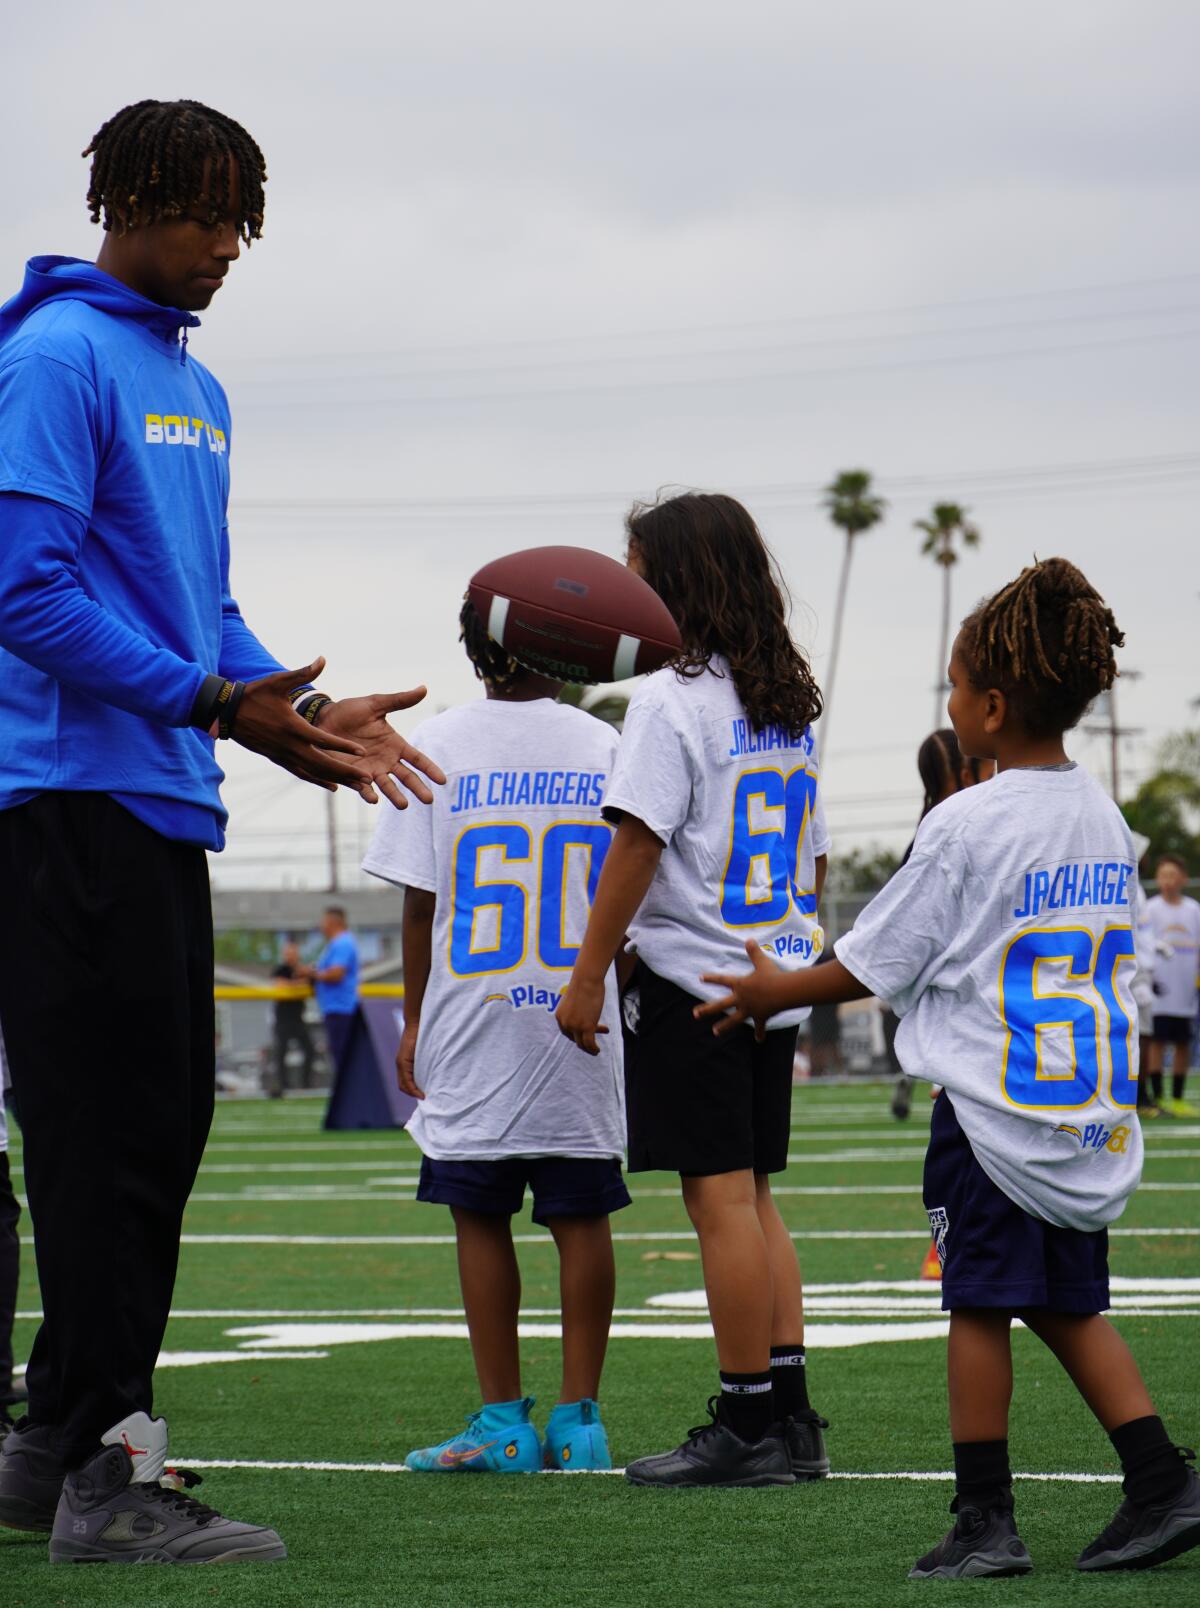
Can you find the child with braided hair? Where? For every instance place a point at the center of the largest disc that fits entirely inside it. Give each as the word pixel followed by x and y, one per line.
pixel 1005 946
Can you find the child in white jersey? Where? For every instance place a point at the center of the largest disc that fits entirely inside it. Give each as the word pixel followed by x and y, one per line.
pixel 498 876
pixel 1005 945
pixel 1174 920
pixel 720 834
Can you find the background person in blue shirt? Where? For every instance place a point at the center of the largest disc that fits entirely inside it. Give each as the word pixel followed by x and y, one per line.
pixel 335 979
pixel 122 656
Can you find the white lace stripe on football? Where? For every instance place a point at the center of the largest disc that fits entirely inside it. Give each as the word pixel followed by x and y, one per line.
pixel 497 619
pixel 625 658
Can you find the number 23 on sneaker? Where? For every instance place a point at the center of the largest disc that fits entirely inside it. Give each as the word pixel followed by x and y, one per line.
pixel 576 1440
pixel 498 1439
pixel 981 1544
pixel 125 1506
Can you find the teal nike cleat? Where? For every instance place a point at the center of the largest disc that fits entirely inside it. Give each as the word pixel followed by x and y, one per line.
pixel 575 1437
pixel 498 1439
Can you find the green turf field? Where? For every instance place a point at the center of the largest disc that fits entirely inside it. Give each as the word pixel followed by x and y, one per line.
pixel 318 1337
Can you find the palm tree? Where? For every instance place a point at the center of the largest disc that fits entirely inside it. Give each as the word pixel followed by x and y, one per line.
pixel 853 508
pixel 947 525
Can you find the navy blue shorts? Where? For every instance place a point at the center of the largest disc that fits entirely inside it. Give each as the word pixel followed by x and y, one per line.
pixel 563 1186
pixel 994 1254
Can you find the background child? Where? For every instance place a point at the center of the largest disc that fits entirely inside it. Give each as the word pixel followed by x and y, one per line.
pixel 721 834
pixel 498 875
pixel 1006 947
pixel 1175 922
pixel 944 771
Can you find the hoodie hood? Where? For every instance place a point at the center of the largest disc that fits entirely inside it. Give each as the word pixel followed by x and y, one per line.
pixel 73 279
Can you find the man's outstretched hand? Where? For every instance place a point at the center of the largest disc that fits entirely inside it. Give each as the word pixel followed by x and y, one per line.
pixel 386 754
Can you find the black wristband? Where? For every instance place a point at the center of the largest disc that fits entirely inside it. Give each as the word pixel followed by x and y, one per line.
pixel 207 703
pixel 308 708
pixel 230 708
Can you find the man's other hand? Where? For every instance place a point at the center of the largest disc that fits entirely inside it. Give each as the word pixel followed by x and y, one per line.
pixel 389 757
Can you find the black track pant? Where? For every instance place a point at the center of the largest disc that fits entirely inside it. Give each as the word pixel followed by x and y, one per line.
pixel 10 1266
pixel 106 973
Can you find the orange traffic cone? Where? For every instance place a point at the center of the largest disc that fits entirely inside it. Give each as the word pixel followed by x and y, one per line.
pixel 931 1267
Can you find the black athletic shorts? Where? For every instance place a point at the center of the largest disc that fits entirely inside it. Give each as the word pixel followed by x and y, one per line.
pixel 697 1104
pixel 1173 1029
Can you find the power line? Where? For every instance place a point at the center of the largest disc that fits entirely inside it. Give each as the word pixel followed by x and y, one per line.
pixel 1134 471
pixel 366 397
pixel 792 321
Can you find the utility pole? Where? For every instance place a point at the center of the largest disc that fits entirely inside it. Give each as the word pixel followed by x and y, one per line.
pixel 331 839
pixel 1107 725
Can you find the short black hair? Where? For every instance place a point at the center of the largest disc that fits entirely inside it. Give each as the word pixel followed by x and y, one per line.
pixel 493 665
pixel 1172 859
pixel 1046 642
pixel 336 910
pixel 159 159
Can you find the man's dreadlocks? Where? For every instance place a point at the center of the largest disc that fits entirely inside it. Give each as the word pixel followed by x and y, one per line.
pixel 161 159
pixel 493 666
pixel 1046 641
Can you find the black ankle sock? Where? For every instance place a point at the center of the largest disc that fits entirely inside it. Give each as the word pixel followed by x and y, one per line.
pixel 981 1473
pixel 1154 1470
pixel 1156 1087
pixel 746 1404
pixel 789 1381
pixel 1178 1085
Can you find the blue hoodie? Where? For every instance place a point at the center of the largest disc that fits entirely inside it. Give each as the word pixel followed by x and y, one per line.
pixel 114 576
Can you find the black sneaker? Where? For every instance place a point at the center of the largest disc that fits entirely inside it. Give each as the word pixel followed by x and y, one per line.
pixel 31 1478
pixel 806 1445
pixel 105 1517
pixel 980 1544
pixel 714 1455
pixel 1140 1537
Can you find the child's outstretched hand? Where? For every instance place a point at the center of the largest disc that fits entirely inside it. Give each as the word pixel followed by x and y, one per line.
pixel 579 1011
pixel 752 995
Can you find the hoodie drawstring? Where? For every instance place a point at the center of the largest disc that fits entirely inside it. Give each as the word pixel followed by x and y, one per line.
pixel 183 348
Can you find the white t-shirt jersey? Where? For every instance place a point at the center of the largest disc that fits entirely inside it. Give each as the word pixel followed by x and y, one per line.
pixel 740 816
pixel 1177 925
pixel 1006 947
pixel 512 847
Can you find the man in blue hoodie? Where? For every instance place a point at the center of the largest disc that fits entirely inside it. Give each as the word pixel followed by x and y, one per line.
pixel 122 656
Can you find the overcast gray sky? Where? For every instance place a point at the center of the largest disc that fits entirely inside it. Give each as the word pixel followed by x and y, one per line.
pixel 524 262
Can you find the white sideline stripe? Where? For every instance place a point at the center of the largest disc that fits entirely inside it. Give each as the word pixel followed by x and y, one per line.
pixel 401 1195
pixel 399 1468
pixel 685 1235
pixel 1173 1289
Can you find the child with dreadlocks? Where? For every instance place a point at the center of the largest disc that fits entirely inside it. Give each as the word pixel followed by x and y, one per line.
pixel 498 875
pixel 1006 947
pixel 720 834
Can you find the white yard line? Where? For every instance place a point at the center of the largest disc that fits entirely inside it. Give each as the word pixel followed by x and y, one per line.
pixel 1167 1290
pixel 322 1467
pixel 401 1195
pixel 684 1235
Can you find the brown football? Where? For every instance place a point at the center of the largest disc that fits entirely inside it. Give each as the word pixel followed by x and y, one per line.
pixel 574 615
